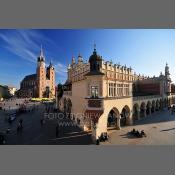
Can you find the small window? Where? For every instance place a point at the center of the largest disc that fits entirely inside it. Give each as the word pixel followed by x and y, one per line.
pixel 94 91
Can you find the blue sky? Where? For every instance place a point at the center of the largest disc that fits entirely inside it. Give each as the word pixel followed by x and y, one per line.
pixel 145 50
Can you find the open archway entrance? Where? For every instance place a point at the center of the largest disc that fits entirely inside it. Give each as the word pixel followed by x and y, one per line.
pixel 113 119
pixel 153 106
pixel 148 108
pixel 157 105
pixel 124 116
pixel 142 110
pixel 165 103
pixel 136 112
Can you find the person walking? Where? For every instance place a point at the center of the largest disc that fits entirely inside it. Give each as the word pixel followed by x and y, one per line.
pixel 21 121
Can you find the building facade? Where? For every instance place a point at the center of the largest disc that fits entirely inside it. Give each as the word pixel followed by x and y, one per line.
pixel 41 84
pixel 4 92
pixel 101 95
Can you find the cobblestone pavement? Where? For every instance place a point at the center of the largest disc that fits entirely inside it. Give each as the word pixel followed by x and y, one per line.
pixel 159 127
pixel 35 134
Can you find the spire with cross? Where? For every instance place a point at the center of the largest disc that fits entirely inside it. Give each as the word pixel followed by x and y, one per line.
pixel 95 51
pixel 41 52
pixel 41 55
pixel 51 65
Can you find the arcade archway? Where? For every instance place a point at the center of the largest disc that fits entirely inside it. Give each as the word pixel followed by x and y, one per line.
pixel 153 106
pixel 124 116
pixel 136 111
pixel 142 110
pixel 113 119
pixel 157 105
pixel 148 108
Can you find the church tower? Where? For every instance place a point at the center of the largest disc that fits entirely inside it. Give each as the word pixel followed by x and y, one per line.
pixel 167 80
pixel 95 62
pixel 41 74
pixel 51 77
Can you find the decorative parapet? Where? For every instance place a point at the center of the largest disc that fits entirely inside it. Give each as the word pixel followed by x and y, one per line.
pixel 95 103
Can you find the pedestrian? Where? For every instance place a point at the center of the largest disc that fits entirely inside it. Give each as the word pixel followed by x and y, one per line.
pixel 21 121
pixel 98 141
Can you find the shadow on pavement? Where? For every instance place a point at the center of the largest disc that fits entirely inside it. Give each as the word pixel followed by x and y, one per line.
pixel 167 129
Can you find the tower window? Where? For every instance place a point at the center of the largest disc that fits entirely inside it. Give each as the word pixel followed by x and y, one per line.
pixel 94 91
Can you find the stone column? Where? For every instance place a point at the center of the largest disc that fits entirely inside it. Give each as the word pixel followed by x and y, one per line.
pixel 158 107
pixel 118 122
pixel 129 120
pixel 161 106
pixel 144 112
pixel 149 110
pixel 138 114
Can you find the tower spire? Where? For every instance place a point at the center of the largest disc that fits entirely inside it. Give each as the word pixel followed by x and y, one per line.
pixel 95 51
pixel 41 52
pixel 73 60
pixel 41 55
pixel 94 46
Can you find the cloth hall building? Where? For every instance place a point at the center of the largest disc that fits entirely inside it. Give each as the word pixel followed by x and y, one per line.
pixel 101 95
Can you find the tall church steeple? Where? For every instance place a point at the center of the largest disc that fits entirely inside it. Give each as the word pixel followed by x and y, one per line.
pixel 167 69
pixel 41 51
pixel 41 56
pixel 167 80
pixel 167 72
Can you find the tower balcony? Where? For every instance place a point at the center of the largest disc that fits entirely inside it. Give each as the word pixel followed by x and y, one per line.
pixel 94 108
pixel 94 103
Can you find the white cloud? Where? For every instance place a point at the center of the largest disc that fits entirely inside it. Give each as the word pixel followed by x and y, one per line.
pixel 61 69
pixel 23 43
pixel 26 45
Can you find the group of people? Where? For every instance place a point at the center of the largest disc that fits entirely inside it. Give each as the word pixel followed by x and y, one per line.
pixel 103 137
pixel 138 134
